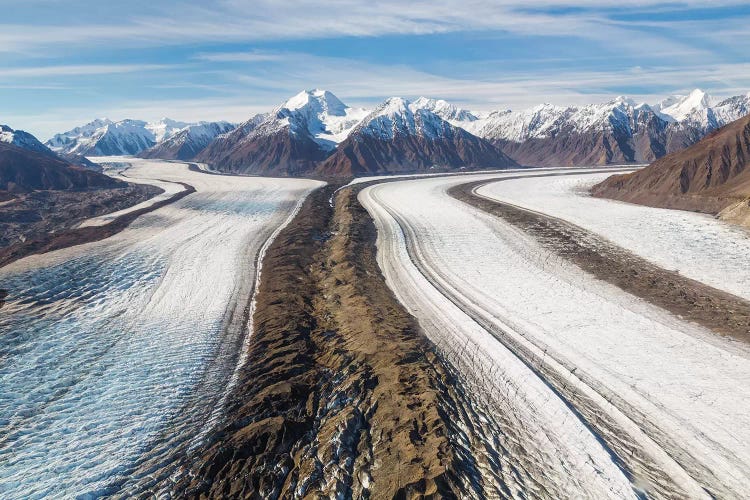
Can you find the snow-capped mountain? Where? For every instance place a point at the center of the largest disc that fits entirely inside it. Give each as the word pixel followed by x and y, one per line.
pixel 289 140
pixel 399 136
pixel 188 142
pixel 165 128
pixel 297 136
pixel 28 142
pixel 322 115
pixel 444 110
pixel 700 110
pixel 67 141
pixel 539 121
pixel 695 105
pixel 103 137
pixel 618 131
pixel 23 140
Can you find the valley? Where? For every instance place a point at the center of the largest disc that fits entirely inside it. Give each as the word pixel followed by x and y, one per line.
pixel 350 303
pixel 120 351
pixel 385 250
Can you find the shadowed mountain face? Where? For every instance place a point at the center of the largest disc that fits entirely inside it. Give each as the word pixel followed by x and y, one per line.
pixel 401 137
pixel 711 176
pixel 268 148
pixel 22 170
pixel 618 131
pixel 188 142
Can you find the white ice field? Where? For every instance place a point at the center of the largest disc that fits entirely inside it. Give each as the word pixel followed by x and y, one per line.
pixel 118 352
pixel 532 330
pixel 697 245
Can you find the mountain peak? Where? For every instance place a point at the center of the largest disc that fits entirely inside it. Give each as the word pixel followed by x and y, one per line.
pixel 621 99
pixel 444 109
pixel 394 105
pixel 318 101
pixel 679 108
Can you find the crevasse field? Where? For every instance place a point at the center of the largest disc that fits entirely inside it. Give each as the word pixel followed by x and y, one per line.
pixel 115 354
pixel 532 330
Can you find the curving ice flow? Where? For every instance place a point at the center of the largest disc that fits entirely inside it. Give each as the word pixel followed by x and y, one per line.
pixel 585 371
pixel 697 245
pixel 114 355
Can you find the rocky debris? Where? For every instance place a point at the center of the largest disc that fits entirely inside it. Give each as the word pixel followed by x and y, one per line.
pixel 341 396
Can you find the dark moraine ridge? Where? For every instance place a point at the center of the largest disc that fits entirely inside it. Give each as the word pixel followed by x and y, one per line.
pixel 62 235
pixel 341 394
pixel 724 313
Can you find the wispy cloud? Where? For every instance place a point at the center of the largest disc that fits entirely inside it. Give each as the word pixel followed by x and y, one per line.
pixel 230 58
pixel 252 56
pixel 239 20
pixel 79 70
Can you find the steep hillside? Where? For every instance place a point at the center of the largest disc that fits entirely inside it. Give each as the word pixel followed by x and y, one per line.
pixel 404 137
pixel 22 170
pixel 711 176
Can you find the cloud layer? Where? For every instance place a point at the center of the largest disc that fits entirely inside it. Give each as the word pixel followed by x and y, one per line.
pixel 64 62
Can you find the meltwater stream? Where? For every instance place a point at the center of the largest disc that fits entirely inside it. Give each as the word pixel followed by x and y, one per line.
pixel 114 355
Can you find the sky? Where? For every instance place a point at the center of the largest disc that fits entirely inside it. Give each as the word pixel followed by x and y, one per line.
pixel 66 62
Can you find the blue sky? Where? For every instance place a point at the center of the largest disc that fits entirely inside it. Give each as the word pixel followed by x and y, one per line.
pixel 63 63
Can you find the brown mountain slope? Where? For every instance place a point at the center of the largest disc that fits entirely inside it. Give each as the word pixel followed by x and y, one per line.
pixel 405 154
pixel 652 139
pixel 712 176
pixel 400 137
pixel 263 146
pixel 22 170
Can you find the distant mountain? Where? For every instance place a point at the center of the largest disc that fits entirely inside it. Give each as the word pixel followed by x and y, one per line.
pixel 302 133
pixel 23 140
pixel 166 128
pixel 29 142
pixel 445 110
pixel 291 140
pixel 104 137
pixel 711 176
pixel 399 136
pixel 23 170
pixel 618 131
pixel 188 142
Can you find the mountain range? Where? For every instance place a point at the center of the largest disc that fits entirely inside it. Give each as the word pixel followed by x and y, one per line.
pixel 315 133
pixel 103 137
pixel 618 131
pixel 402 136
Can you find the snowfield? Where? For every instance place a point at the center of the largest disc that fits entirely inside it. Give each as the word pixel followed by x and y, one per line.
pixel 697 245
pixel 580 371
pixel 115 355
